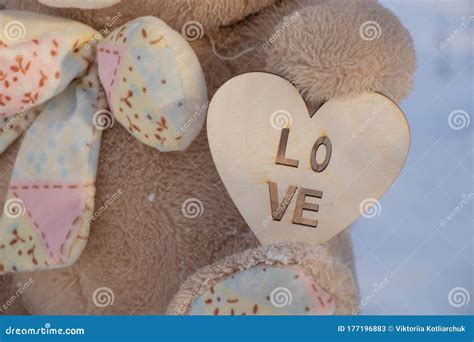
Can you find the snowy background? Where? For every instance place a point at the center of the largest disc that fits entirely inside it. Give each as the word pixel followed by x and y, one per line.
pixel 410 261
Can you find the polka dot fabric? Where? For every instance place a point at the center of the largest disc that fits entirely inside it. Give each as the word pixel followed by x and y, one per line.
pixel 52 84
pixel 265 290
pixel 37 67
pixel 51 194
pixel 154 83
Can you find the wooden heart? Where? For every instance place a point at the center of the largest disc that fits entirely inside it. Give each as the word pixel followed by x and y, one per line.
pixel 302 177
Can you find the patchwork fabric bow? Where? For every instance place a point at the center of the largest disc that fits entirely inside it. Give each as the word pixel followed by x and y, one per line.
pixel 58 78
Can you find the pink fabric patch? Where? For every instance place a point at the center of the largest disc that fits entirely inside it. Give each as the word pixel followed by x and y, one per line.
pixel 324 303
pixel 109 57
pixel 54 210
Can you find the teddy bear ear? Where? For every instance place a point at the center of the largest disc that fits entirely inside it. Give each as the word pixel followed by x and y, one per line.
pixel 34 48
pixel 154 83
pixel 287 278
pixel 79 3
pixel 52 91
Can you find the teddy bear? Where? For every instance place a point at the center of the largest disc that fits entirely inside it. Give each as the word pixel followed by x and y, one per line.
pixel 149 250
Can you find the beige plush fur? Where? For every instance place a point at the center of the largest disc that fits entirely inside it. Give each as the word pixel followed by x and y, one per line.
pixel 209 13
pixel 144 250
pixel 313 260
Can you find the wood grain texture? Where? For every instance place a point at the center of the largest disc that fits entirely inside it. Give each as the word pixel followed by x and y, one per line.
pixel 369 138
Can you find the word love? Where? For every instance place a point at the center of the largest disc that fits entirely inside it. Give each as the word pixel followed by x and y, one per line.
pixel 279 209
pixel 365 137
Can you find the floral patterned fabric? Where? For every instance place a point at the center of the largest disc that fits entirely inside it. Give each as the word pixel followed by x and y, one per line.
pixel 265 290
pixel 57 86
